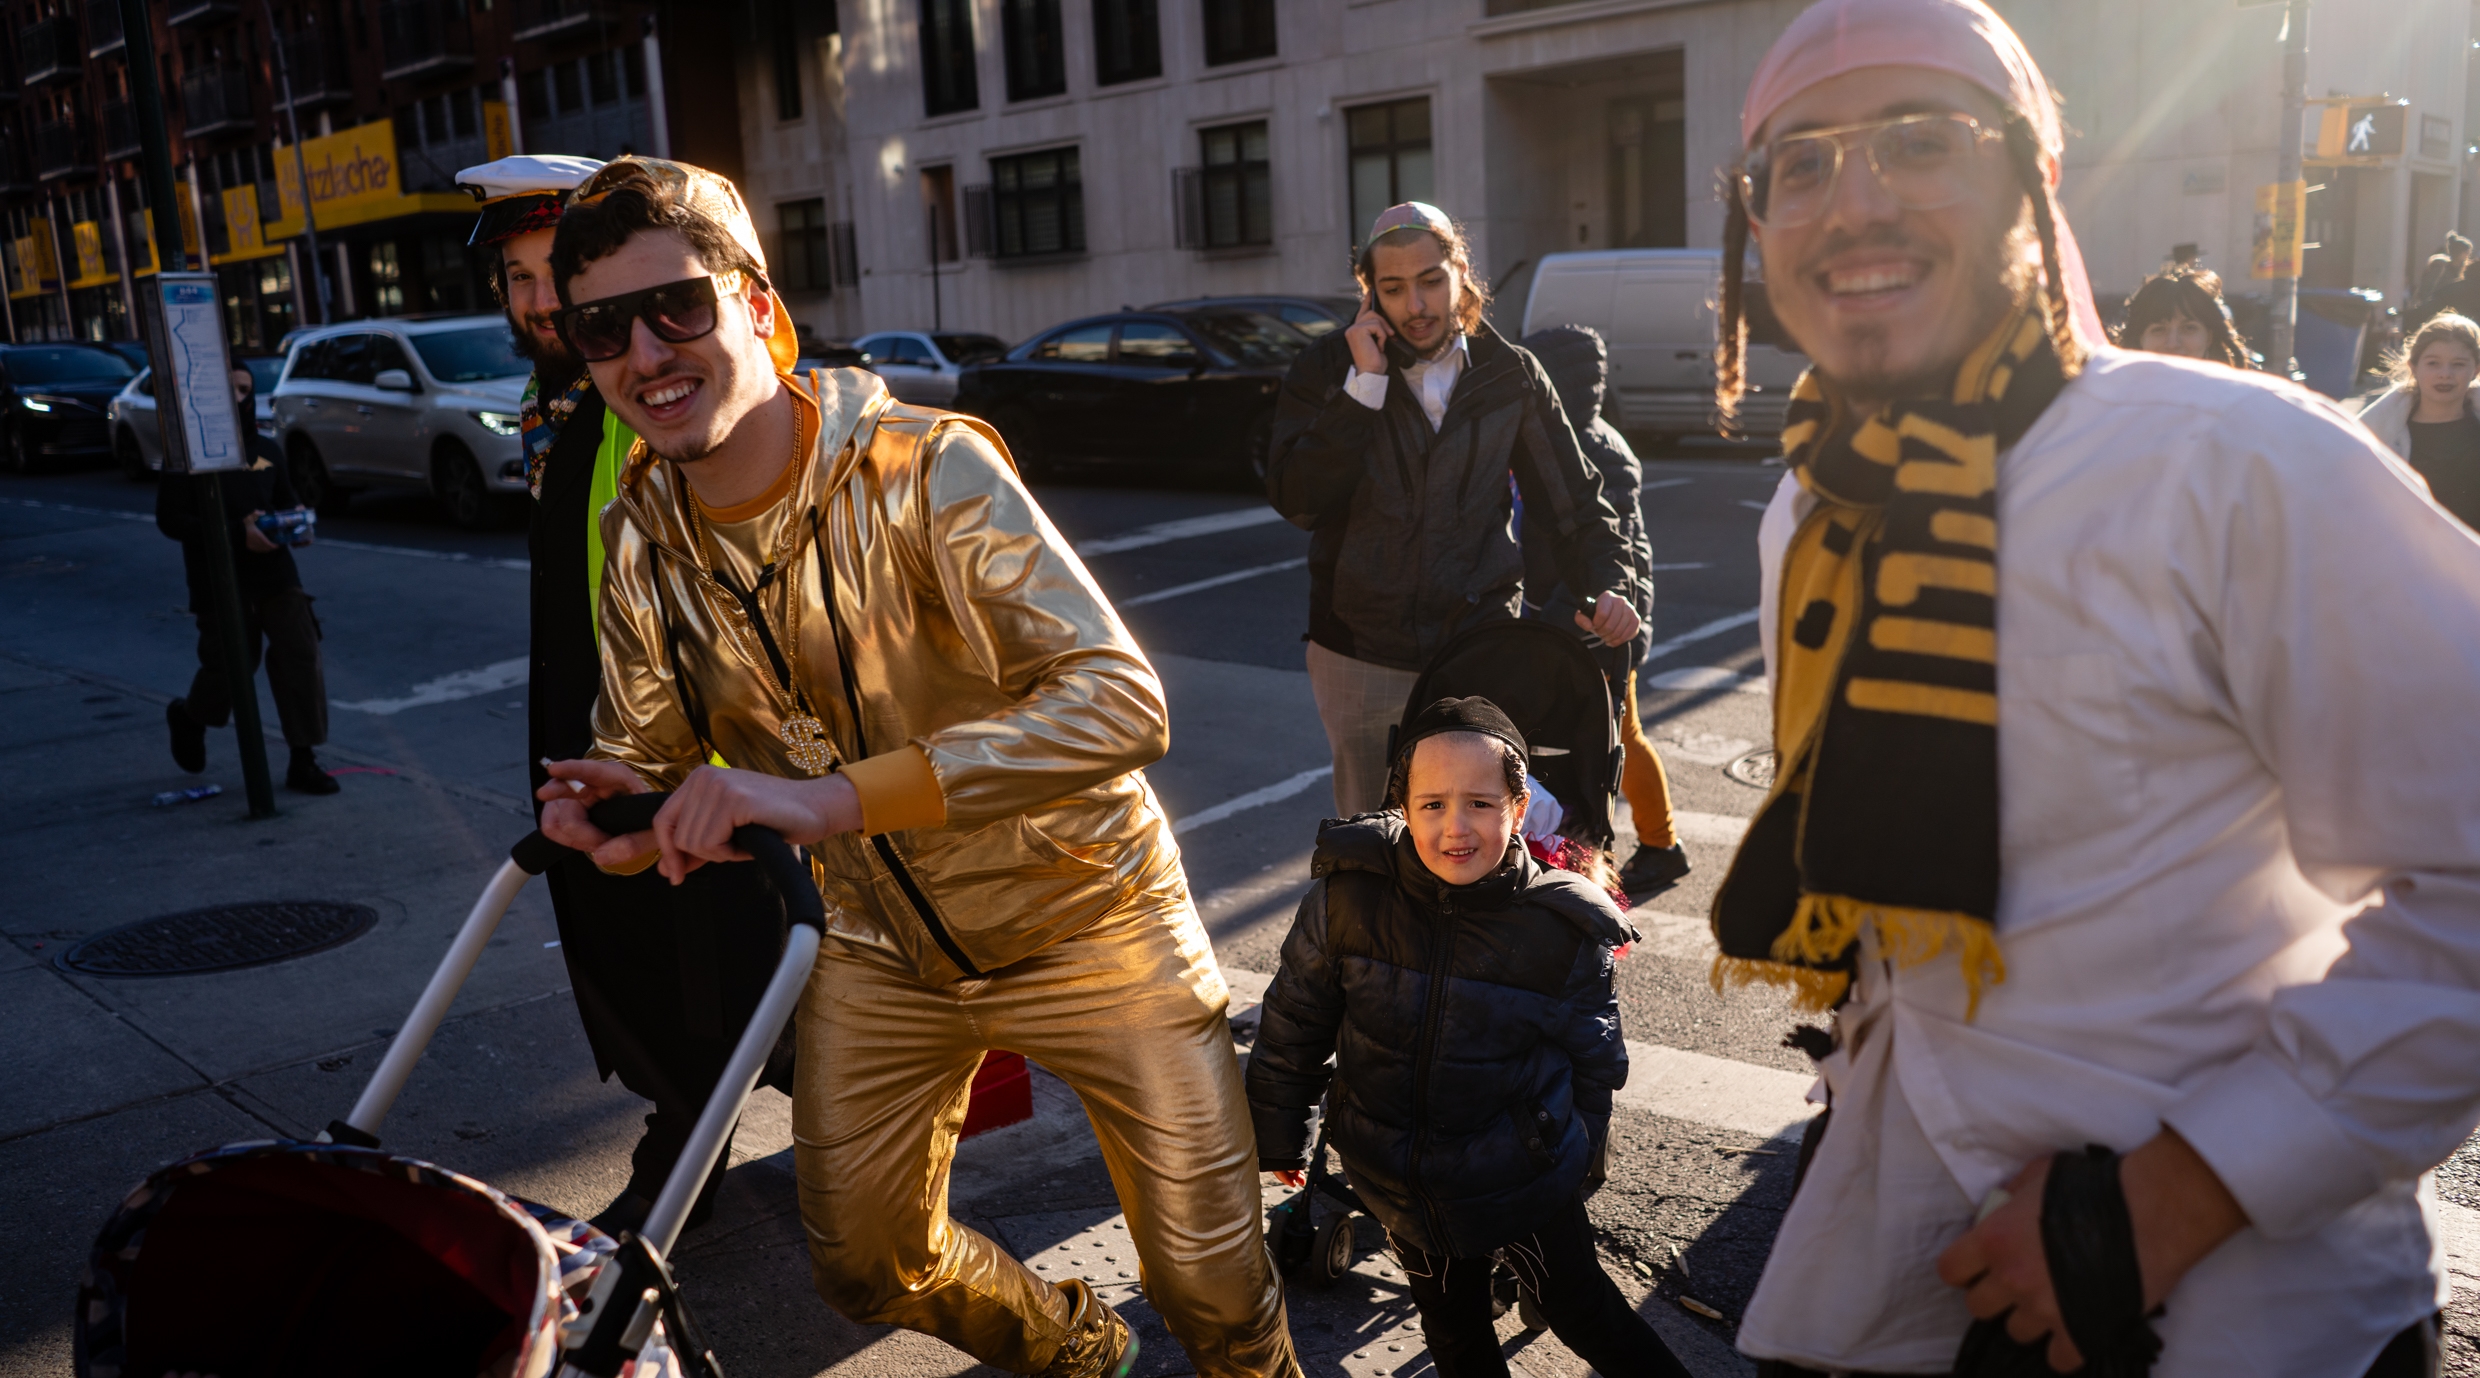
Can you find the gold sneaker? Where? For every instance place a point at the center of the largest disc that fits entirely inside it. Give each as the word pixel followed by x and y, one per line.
pixel 1099 1344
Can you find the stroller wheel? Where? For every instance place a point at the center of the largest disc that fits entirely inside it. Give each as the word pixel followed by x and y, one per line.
pixel 1332 1256
pixel 1528 1310
pixel 1288 1235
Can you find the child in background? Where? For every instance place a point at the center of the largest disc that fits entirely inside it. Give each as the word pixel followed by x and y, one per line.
pixel 1463 992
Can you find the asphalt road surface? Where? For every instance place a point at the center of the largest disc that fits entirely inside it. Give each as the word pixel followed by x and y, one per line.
pixel 425 642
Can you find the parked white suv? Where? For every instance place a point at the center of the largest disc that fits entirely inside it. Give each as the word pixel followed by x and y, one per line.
pixel 406 403
pixel 1655 309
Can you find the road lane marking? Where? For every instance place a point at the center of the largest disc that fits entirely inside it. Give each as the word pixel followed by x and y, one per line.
pixel 1694 635
pixel 464 684
pixel 1255 798
pixel 1708 677
pixel 451 556
pixel 1718 829
pixel 1693 564
pixel 1177 590
pixel 1752 502
pixel 1665 483
pixel 1162 533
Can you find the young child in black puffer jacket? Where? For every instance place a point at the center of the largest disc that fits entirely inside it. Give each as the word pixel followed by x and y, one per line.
pixel 1462 992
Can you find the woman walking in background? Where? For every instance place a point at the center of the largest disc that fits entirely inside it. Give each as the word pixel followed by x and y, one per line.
pixel 2428 416
pixel 2180 311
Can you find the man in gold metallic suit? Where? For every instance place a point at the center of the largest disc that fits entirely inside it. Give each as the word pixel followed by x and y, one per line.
pixel 856 603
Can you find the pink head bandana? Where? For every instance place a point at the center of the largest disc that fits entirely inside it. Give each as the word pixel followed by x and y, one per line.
pixel 1961 37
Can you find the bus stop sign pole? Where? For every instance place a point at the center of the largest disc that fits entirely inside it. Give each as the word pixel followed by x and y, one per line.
pixel 191 375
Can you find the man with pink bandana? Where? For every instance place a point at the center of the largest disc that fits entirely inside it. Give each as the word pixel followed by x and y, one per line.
pixel 2125 823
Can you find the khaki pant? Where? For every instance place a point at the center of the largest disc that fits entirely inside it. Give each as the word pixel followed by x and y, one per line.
pixel 1358 702
pixel 1132 1013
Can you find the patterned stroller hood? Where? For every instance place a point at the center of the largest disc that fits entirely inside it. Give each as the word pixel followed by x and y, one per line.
pixel 275 1258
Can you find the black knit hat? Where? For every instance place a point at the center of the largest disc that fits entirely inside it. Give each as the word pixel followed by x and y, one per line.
pixel 1475 714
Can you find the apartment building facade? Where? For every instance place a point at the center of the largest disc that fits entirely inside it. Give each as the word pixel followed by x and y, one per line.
pixel 1000 165
pixel 389 98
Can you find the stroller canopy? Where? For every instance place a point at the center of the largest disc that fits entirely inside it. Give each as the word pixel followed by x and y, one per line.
pixel 1547 683
pixel 264 1259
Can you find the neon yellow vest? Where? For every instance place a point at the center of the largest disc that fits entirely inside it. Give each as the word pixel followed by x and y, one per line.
pixel 608 460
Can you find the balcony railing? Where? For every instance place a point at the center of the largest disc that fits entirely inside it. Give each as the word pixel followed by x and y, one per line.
pixel 424 38
pixel 61 150
pixel 53 50
pixel 215 102
pixel 120 131
pixel 316 69
pixel 556 19
pixel 103 27
pixel 187 12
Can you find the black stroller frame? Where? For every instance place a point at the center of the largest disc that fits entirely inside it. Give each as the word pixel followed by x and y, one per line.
pixel 1316 1254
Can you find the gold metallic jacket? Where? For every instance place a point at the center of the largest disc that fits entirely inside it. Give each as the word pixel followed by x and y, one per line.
pixel 1005 714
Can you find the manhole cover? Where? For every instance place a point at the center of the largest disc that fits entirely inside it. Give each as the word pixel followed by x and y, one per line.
pixel 1756 769
pixel 219 939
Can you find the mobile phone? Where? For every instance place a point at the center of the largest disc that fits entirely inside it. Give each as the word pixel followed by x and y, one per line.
pixel 1399 354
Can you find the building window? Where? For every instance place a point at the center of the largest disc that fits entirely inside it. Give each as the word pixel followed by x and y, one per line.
pixel 938 200
pixel 1036 65
pixel 603 77
pixel 1235 191
pixel 533 96
pixel 1127 41
pixel 1390 160
pixel 787 61
pixel 1238 30
pixel 802 263
pixel 948 83
pixel 387 280
pixel 1037 204
pixel 566 89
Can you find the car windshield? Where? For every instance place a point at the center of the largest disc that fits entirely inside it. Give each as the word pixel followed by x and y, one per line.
pixel 969 349
pixel 1248 338
pixel 67 364
pixel 264 370
pixel 471 356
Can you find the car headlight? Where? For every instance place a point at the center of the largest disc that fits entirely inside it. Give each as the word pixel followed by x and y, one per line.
pixel 499 422
pixel 34 404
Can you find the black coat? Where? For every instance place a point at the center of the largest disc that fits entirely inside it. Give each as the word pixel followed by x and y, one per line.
pixel 1409 539
pixel 263 487
pixel 567 666
pixel 1470 1033
pixel 1579 367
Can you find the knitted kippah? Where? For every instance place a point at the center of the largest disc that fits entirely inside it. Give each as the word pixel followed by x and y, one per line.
pixel 1475 714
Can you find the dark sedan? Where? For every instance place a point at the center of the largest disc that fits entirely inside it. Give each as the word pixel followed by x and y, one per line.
pixel 1186 393
pixel 1311 315
pixel 54 397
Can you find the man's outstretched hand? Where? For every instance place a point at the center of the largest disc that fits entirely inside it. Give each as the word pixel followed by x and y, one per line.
pixel 2179 1211
pixel 1613 620
pixel 695 825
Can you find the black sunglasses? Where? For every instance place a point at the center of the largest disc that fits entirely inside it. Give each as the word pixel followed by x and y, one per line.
pixel 677 312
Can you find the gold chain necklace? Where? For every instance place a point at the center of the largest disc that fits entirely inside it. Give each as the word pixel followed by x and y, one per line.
pixel 805 739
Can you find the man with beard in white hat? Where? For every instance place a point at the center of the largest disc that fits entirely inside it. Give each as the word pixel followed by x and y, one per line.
pixel 2126 820
pixel 664 981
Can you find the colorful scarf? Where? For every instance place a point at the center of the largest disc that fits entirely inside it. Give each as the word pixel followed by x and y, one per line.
pixel 538 425
pixel 1886 692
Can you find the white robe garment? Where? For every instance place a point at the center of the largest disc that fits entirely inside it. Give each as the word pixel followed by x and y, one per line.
pixel 2239 799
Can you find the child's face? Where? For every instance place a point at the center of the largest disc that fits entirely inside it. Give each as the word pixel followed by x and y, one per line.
pixel 1456 803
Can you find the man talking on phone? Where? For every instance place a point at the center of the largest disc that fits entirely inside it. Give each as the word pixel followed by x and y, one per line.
pixel 1393 443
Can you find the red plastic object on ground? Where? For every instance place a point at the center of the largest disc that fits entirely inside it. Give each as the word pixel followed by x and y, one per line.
pixel 1002 1093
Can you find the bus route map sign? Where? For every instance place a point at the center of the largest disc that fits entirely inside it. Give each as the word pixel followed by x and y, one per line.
pixel 193 376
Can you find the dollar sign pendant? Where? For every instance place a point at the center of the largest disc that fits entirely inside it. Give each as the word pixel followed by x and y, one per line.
pixel 806 740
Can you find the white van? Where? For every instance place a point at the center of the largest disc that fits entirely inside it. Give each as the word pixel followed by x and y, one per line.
pixel 1655 310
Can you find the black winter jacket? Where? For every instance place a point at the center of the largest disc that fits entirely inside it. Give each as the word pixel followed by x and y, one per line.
pixel 1579 367
pixel 1409 539
pixel 1470 1033
pixel 266 486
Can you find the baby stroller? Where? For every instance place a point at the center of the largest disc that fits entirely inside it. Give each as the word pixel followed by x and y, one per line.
pixel 277 1258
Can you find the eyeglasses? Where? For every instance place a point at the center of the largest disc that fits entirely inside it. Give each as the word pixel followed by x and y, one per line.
pixel 1923 161
pixel 677 312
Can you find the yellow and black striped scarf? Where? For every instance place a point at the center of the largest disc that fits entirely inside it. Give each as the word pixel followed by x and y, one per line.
pixel 1884 813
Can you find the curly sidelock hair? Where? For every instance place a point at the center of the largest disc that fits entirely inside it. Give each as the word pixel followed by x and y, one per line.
pixel 2023 149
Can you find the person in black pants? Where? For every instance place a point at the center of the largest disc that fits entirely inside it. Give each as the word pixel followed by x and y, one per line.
pixel 1455 995
pixel 665 978
pixel 274 610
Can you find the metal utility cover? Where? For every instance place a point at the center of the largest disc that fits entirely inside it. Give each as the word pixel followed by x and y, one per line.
pixel 222 938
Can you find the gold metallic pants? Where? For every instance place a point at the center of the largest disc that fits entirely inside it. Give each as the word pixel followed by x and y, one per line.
pixel 1132 1013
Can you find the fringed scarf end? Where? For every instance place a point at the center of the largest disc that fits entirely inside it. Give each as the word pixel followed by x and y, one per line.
pixel 1825 927
pixel 1812 990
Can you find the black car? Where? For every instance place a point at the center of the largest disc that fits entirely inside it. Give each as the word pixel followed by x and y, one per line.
pixel 55 397
pixel 1186 393
pixel 1312 315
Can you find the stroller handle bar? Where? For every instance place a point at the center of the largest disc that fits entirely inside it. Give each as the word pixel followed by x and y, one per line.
pixel 531 857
